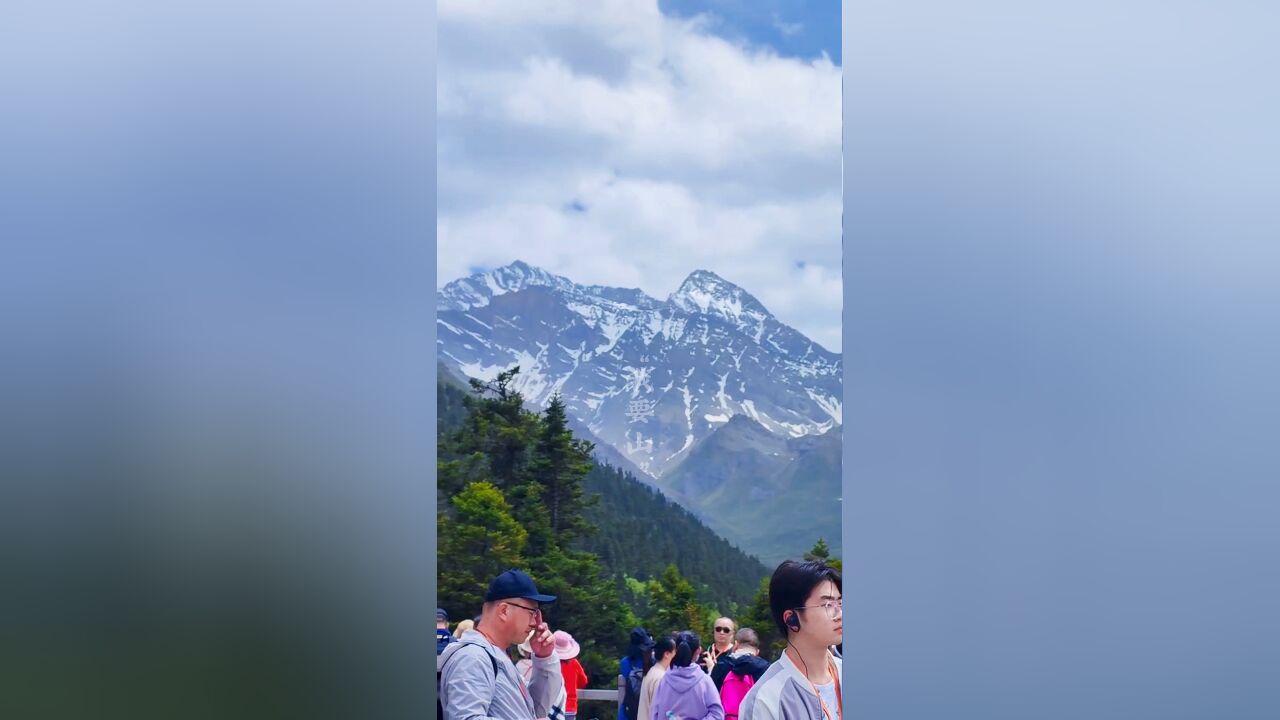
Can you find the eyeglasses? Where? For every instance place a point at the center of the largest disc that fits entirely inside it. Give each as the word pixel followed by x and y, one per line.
pixel 833 607
pixel 535 611
pixel 724 629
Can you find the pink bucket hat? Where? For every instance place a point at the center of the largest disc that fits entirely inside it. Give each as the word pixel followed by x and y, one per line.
pixel 566 647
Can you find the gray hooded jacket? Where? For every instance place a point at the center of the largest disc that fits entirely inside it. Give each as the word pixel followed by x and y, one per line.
pixel 469 690
pixel 783 693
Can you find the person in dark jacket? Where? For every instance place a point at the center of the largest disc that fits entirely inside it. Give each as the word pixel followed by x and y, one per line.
pixel 443 636
pixel 639 657
pixel 744 659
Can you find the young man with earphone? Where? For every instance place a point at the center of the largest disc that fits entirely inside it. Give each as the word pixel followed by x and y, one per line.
pixel 806 601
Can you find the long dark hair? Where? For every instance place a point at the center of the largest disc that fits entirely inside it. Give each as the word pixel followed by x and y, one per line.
pixel 687 643
pixel 661 646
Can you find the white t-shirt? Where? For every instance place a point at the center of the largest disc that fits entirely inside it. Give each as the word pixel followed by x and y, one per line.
pixel 828 694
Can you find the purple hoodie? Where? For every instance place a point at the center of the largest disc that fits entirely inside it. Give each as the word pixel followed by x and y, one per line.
pixel 688 693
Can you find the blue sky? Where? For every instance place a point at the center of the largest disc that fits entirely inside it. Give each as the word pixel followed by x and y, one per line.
pixel 795 28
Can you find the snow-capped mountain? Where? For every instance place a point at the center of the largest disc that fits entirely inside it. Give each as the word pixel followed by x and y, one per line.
pixel 650 377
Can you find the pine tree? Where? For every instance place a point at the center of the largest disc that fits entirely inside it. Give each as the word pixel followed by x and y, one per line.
pixel 495 443
pixel 822 553
pixel 673 605
pixel 497 430
pixel 760 618
pixel 480 541
pixel 538 467
pixel 560 462
pixel 530 510
pixel 588 605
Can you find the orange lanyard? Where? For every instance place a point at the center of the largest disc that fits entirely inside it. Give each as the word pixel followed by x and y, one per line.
pixel 835 676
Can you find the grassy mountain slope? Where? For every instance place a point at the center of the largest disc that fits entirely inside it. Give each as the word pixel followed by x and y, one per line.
pixel 772 496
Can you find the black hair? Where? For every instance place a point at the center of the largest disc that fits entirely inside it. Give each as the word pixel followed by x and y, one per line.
pixel 649 660
pixel 662 646
pixel 687 643
pixel 791 584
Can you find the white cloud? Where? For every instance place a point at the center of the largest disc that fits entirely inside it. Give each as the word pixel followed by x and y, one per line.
pixel 786 28
pixel 687 152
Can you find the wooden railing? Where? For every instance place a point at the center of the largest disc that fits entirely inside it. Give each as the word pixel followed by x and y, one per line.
pixel 606 695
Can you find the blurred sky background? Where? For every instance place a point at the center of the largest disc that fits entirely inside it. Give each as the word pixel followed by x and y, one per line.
pixel 216 376
pixel 1061 296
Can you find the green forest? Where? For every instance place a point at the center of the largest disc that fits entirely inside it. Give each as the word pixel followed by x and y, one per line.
pixel 516 488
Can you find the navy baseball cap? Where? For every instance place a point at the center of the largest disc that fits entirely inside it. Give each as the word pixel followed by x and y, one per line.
pixel 515 584
pixel 441 615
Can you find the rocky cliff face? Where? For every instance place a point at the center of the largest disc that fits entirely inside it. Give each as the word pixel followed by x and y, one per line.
pixel 652 378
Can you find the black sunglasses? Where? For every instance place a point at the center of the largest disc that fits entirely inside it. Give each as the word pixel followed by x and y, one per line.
pixel 724 629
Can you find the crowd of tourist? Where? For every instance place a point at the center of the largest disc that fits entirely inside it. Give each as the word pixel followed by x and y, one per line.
pixel 674 676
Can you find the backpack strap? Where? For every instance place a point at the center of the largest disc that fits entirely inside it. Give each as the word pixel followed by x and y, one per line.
pixel 440 673
pixel 492 660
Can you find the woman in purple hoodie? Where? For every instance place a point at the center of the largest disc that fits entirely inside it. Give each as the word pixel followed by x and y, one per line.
pixel 686 692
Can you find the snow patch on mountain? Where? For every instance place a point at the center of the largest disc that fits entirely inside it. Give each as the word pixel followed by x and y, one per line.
pixel 482 372
pixel 721 396
pixel 749 409
pixel 831 406
pixel 711 350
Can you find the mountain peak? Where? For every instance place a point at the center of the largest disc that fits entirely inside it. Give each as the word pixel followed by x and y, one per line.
pixel 522 273
pixel 652 378
pixel 704 291
pixel 480 287
pixel 707 279
pixel 700 274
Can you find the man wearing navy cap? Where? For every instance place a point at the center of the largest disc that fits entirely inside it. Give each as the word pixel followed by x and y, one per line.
pixel 478 680
pixel 443 636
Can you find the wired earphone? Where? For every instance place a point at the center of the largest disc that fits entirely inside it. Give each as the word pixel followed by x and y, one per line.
pixel 793 622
